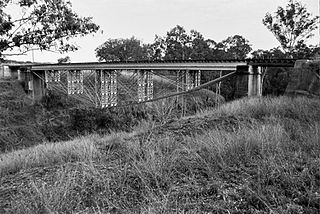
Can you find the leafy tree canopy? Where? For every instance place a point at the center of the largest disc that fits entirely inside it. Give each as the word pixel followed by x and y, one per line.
pixel 292 25
pixel 273 53
pixel 123 50
pixel 178 44
pixel 42 24
pixel 234 47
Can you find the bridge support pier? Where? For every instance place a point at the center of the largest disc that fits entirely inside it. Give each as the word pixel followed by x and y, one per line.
pixel 37 85
pixel 145 85
pixel 187 80
pixel 51 77
pixel 75 82
pixel 106 87
pixel 254 81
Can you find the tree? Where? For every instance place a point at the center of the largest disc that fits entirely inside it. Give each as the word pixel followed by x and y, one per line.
pixel 123 50
pixel 179 45
pixel 274 53
pixel 201 48
pixel 44 25
pixel 234 47
pixel 292 25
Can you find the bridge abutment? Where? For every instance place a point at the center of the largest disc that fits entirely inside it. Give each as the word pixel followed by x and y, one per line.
pixel 36 84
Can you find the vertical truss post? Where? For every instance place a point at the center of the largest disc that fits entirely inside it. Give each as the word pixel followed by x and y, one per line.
pixel 69 81
pixel 57 76
pixel 218 90
pixel 149 85
pixel 180 81
pixel 197 78
pixel 47 78
pixel 97 87
pixel 80 75
pixel 183 84
pixel 219 85
pixel 28 80
pixel 188 79
pixel 192 79
pixel 113 88
pixel 141 85
pixel 104 89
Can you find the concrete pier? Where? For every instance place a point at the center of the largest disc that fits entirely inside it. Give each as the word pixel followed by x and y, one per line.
pixel 254 81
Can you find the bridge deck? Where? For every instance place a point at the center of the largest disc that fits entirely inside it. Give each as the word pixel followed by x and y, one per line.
pixel 207 65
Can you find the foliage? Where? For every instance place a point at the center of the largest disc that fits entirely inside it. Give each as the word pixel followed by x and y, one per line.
pixel 292 25
pixel 19 127
pixel 64 60
pixel 234 47
pixel 44 25
pixel 122 50
pixel 274 53
pixel 179 45
pixel 85 121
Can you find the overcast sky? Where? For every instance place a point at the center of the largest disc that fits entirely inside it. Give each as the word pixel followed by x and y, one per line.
pixel 215 19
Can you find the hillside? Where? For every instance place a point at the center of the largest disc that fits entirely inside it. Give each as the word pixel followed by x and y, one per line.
pixel 258 155
pixel 18 126
pixel 59 117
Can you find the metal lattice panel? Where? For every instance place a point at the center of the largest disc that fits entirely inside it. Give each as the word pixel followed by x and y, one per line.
pixel 149 85
pixel 75 82
pixel 197 80
pixel 104 89
pixel 188 79
pixel 141 86
pixel 180 81
pixel 108 88
pixel 113 88
pixel 52 76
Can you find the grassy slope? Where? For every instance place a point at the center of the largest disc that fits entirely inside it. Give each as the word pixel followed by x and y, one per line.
pixel 23 125
pixel 18 126
pixel 248 156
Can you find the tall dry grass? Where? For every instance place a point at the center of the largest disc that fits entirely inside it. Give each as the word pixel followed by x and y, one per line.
pixel 269 166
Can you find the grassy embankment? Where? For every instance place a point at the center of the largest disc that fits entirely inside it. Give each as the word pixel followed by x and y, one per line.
pixel 259 155
pixel 59 117
pixel 18 125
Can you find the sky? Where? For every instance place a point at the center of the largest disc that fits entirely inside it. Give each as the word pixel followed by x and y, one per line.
pixel 215 19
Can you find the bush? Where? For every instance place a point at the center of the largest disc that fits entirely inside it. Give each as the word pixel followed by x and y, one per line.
pixel 106 120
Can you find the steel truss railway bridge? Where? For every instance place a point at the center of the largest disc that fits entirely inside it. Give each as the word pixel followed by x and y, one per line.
pixel 111 84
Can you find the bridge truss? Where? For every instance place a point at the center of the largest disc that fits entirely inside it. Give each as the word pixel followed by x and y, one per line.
pixel 110 88
pixel 113 84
